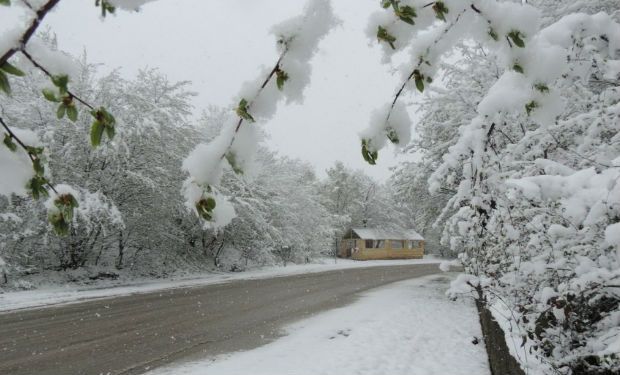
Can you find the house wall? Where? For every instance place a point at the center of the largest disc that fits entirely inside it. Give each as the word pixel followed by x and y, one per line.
pixel 387 252
pixel 344 250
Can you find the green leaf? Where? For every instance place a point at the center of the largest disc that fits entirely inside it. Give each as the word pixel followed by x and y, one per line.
pixel 529 107
pixel 110 120
pixel 516 37
pixel 232 161
pixel 72 112
pixel 419 80
pixel 50 95
pixel 106 7
pixel 61 81
pixel 35 151
pixel 103 116
pixel 8 142
pixel 392 135
pixel 518 68
pixel 60 112
pixel 66 203
pixel 110 131
pixel 440 10
pixel 4 83
pixel 542 88
pixel 66 200
pixel 281 77
pixel 242 111
pixel 367 154
pixel 384 35
pixel 38 167
pixel 104 121
pixel 96 131
pixel 210 203
pixel 205 207
pixel 36 187
pixel 406 14
pixel 59 223
pixel 493 34
pixel 11 69
pixel 386 4
pixel 5 2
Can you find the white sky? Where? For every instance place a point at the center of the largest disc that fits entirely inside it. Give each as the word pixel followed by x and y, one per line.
pixel 219 44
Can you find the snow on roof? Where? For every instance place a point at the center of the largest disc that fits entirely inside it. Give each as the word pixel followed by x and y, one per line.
pixel 378 234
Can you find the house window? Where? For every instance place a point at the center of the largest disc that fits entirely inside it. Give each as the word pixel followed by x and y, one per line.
pixel 397 244
pixel 414 244
pixel 375 244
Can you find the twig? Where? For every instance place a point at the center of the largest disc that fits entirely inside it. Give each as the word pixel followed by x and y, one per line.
pixel 47 73
pixel 275 69
pixel 417 66
pixel 40 14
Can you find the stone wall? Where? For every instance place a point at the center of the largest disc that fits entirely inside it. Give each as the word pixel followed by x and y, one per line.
pixel 500 360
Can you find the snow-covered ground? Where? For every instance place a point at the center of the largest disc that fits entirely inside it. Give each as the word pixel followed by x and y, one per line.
pixel 74 293
pixel 407 328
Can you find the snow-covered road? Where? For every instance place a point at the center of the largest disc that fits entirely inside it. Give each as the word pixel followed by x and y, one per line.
pixel 72 293
pixel 136 333
pixel 407 328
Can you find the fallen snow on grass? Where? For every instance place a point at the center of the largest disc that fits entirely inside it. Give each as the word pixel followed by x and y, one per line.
pixel 73 293
pixel 407 328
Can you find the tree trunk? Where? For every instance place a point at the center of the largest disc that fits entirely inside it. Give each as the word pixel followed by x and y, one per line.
pixel 216 257
pixel 121 250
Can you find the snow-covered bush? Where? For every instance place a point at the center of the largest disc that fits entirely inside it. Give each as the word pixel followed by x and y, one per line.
pixel 525 141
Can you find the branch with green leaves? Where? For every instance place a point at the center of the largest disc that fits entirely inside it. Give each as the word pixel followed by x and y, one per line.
pixel 369 152
pixel 205 206
pixel 415 74
pixel 407 14
pixel 62 208
pixel 514 38
pixel 244 107
pixel 60 213
pixel 37 184
pixel 103 121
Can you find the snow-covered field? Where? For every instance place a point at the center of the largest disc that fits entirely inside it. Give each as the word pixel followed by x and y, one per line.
pixel 407 328
pixel 73 293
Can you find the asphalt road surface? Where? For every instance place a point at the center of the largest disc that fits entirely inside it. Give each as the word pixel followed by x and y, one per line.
pixel 134 334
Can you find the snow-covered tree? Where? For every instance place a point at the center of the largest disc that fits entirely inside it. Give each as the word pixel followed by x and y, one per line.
pixel 525 144
pixel 355 199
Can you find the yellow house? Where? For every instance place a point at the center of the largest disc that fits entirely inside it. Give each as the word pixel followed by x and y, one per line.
pixel 372 243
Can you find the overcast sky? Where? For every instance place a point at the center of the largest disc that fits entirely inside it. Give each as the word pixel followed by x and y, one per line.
pixel 218 44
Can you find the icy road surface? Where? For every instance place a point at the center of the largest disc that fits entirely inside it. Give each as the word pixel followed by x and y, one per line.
pixel 136 333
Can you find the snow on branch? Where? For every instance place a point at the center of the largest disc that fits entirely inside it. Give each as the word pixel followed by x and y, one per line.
pixel 59 68
pixel 235 146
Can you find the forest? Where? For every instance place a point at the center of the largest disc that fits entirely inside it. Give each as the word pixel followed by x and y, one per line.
pixel 131 215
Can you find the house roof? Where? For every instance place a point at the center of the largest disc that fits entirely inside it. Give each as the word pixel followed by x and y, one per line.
pixel 378 234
